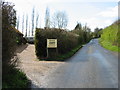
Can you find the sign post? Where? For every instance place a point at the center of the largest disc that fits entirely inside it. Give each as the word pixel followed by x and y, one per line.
pixel 51 43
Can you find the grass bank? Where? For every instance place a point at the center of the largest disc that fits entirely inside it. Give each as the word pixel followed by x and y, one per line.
pixel 109 46
pixel 110 37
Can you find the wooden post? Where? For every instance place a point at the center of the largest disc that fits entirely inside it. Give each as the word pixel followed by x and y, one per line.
pixel 57 51
pixel 51 43
pixel 47 53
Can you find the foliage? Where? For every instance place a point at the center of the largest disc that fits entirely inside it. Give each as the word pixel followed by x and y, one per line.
pixel 67 55
pixel 47 18
pixel 59 20
pixel 109 46
pixel 66 41
pixel 110 38
pixel 14 79
pixel 19 37
pixel 84 33
pixel 97 32
pixel 8 14
pixel 11 76
pixel 33 20
pixel 9 35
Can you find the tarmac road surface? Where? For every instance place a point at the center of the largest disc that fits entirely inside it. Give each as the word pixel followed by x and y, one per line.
pixel 91 67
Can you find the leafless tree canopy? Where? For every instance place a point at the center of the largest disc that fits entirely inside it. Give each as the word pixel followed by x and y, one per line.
pixel 23 24
pixel 33 15
pixel 37 18
pixel 47 18
pixel 59 20
pixel 18 20
pixel 26 24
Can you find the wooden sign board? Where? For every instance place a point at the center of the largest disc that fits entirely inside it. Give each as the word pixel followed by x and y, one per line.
pixel 51 43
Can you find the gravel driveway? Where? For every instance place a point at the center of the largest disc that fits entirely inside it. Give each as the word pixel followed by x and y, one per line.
pixel 35 70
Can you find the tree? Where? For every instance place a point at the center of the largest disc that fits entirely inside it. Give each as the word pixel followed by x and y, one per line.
pixel 18 23
pixel 9 44
pixel 60 20
pixel 29 28
pixel 53 23
pixel 47 18
pixel 37 18
pixel 33 15
pixel 8 37
pixel 87 33
pixel 84 32
pixel 78 26
pixel 9 14
pixel 26 24
pixel 96 32
pixel 8 34
pixel 23 24
pixel 79 29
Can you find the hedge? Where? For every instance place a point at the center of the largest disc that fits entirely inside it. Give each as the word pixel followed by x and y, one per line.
pixel 66 41
pixel 11 76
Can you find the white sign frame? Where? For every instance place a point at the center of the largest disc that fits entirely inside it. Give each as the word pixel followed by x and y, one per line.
pixel 51 43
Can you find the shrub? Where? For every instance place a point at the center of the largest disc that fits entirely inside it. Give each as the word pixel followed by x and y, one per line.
pixel 11 77
pixel 66 41
pixel 14 79
pixel 84 33
pixel 8 43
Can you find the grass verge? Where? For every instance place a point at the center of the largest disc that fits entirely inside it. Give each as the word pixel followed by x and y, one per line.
pixel 65 56
pixel 15 79
pixel 109 46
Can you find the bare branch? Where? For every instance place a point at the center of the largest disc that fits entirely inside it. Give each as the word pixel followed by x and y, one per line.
pixel 59 20
pixel 47 18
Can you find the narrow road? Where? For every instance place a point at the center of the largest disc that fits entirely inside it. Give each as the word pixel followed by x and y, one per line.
pixel 91 67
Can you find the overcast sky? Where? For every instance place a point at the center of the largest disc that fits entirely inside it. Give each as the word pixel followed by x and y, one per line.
pixel 96 13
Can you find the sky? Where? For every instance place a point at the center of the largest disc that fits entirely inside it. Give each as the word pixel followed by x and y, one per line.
pixel 93 13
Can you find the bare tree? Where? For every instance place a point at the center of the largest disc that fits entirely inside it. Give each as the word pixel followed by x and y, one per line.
pixel 29 28
pixel 18 22
pixel 47 18
pixel 23 24
pixel 53 22
pixel 37 18
pixel 60 19
pixel 26 24
pixel 33 15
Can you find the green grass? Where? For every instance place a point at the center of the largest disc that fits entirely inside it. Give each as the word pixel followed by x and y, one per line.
pixel 69 54
pixel 15 79
pixel 109 46
pixel 110 37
